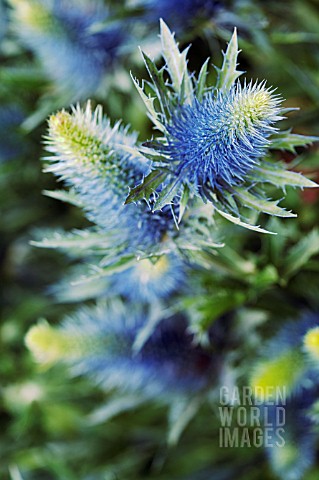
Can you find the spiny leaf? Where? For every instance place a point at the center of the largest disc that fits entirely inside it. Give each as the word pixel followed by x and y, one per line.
pixel 183 202
pixel 201 82
pixel 238 221
pixel 147 187
pixel 227 75
pixel 166 196
pixel 158 81
pixel 262 205
pixel 288 141
pixel 156 315
pixel 176 62
pixel 68 196
pixel 281 177
pixel 149 103
pixel 75 240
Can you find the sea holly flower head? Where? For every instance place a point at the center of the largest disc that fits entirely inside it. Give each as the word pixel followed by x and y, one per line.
pixel 214 143
pixel 215 140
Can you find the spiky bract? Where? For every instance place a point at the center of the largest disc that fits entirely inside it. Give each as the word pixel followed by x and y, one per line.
pixel 215 140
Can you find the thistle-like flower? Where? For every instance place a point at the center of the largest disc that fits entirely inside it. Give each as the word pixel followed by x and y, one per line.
pixel 61 34
pixel 99 343
pixel 216 140
pixel 214 143
pixel 89 155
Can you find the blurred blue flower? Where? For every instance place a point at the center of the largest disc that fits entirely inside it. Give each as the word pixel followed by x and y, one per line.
pixel 98 342
pixel 291 459
pixel 286 365
pixel 62 34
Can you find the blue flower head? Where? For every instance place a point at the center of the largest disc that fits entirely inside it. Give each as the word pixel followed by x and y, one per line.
pixel 61 34
pixel 214 143
pixel 99 343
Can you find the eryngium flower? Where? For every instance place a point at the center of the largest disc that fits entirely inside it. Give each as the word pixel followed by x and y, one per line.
pixel 99 343
pixel 89 155
pixel 215 140
pixel 214 143
pixel 61 34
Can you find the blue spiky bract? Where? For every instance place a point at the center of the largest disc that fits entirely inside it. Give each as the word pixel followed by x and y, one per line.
pixel 214 143
pixel 61 33
pixel 100 342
